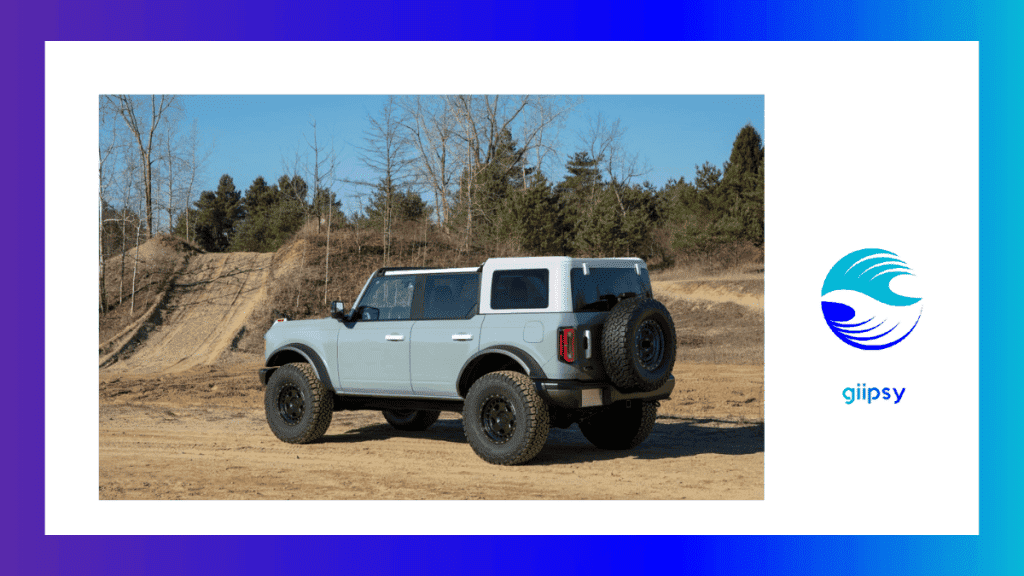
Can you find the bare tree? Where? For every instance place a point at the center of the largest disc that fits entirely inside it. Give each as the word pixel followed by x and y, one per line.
pixel 106 150
pixel 323 168
pixel 170 157
pixel 322 171
pixel 430 125
pixel 385 152
pixel 604 143
pixel 194 161
pixel 127 185
pixel 482 122
pixel 130 109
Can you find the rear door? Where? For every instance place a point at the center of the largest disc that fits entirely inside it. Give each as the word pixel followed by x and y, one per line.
pixel 446 332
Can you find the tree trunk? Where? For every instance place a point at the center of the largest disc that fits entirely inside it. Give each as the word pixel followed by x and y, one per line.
pixel 124 251
pixel 103 267
pixel 327 261
pixel 149 194
pixel 135 270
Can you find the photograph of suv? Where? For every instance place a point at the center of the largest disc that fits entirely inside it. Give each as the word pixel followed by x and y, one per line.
pixel 516 345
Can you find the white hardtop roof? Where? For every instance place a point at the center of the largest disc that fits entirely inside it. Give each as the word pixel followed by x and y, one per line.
pixel 529 261
pixel 430 271
pixel 546 260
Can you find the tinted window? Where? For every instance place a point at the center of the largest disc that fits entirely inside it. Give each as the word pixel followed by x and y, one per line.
pixel 392 296
pixel 589 291
pixel 449 296
pixel 519 289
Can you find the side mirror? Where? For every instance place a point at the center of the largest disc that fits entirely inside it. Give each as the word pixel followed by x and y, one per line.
pixel 337 309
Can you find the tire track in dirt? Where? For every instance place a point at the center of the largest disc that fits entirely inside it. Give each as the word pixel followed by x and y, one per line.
pixel 208 307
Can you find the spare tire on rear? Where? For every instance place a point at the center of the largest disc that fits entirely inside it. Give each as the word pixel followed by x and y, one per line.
pixel 638 344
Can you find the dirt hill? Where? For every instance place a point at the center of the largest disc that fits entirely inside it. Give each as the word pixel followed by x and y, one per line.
pixel 204 315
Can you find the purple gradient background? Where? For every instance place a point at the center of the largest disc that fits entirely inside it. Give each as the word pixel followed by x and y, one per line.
pixel 27 24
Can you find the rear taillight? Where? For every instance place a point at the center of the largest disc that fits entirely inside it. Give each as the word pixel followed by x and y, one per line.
pixel 567 345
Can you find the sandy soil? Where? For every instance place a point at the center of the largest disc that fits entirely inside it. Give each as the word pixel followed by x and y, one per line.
pixel 201 434
pixel 206 314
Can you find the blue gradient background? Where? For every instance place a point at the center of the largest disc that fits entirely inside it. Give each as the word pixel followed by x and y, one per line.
pixel 25 27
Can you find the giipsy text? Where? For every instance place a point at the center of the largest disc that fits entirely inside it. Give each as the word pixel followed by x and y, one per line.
pixel 862 392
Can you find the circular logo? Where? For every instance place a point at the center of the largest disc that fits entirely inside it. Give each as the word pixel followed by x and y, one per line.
pixel 861 307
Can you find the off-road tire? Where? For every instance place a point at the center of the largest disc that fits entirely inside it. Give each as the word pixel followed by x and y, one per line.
pixel 505 420
pixel 298 405
pixel 638 345
pixel 620 428
pixel 411 420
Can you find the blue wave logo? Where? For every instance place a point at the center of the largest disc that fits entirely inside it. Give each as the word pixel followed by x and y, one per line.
pixel 860 306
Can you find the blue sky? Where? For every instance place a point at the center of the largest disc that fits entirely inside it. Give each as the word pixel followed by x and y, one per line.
pixel 257 135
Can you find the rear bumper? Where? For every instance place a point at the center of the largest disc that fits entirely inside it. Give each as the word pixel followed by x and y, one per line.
pixel 580 394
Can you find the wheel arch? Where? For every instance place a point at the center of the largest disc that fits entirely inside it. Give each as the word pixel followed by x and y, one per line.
pixel 494 359
pixel 298 353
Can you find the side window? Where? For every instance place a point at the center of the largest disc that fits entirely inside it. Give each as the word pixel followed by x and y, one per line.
pixel 519 289
pixel 391 296
pixel 450 296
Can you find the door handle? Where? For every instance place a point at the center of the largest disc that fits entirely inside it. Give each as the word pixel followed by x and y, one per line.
pixel 395 337
pixel 462 336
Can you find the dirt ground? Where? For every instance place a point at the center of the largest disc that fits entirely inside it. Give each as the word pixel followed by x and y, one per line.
pixel 201 434
pixel 181 414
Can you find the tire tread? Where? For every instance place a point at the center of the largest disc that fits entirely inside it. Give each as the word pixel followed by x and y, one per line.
pixel 322 407
pixel 537 418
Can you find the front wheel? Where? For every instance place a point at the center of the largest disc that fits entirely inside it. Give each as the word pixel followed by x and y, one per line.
pixel 505 420
pixel 411 420
pixel 298 404
pixel 620 428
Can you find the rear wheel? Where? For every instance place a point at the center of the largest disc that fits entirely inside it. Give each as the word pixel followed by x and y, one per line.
pixel 620 428
pixel 411 420
pixel 505 420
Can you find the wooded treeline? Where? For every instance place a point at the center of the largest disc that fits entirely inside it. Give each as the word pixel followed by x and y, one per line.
pixel 475 168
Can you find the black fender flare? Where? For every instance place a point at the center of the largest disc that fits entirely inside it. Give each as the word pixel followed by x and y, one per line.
pixel 311 357
pixel 530 366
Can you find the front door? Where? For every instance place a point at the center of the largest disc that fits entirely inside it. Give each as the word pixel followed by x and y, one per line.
pixel 373 351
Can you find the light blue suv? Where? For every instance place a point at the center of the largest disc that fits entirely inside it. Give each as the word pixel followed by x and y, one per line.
pixel 516 345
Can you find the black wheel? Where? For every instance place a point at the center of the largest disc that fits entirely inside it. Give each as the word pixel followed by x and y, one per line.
pixel 638 344
pixel 298 404
pixel 620 428
pixel 411 420
pixel 505 420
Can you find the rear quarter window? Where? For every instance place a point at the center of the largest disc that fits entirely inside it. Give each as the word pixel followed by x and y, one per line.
pixel 519 289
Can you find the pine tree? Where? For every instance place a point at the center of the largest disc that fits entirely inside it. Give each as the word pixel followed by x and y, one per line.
pixel 272 216
pixel 742 187
pixel 406 207
pixel 535 218
pixel 217 215
pixel 579 195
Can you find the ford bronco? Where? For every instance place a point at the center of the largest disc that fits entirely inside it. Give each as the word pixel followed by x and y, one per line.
pixel 516 345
